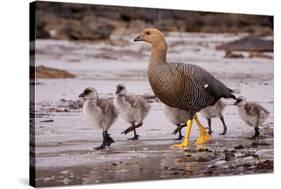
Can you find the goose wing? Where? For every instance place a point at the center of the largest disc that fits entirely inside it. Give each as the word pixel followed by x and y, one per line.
pixel 212 86
pixel 104 106
pixel 132 100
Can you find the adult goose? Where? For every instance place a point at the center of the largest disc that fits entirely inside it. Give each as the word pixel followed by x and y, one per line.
pixel 183 86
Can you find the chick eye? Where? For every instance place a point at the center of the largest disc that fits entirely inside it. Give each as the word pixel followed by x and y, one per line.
pixel 147 33
pixel 87 91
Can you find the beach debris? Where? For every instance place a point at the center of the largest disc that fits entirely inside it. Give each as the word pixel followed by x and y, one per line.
pixel 47 121
pixel 230 54
pixel 239 147
pixel 259 55
pixel 249 43
pixel 43 72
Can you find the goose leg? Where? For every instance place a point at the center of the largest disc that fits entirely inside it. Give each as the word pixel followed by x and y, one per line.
pixel 204 136
pixel 185 142
pixel 135 137
pixel 133 128
pixel 224 126
pixel 129 129
pixel 209 126
pixel 107 141
pixel 180 135
pixel 180 126
pixel 257 132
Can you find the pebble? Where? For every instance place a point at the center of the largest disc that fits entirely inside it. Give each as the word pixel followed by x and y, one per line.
pixel 220 162
pixel 249 159
pixel 239 147
pixel 47 121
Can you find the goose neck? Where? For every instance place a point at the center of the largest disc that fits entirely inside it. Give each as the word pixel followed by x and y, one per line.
pixel 158 53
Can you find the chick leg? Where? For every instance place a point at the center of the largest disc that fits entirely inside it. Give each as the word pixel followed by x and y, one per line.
pixel 210 126
pixel 102 146
pixel 108 139
pixel 129 129
pixel 185 142
pixel 204 136
pixel 257 132
pixel 135 137
pixel 224 126
pixel 180 126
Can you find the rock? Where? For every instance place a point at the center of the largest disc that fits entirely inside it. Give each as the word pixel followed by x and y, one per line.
pixel 239 147
pixel 91 28
pixel 248 160
pixel 220 163
pixel 229 155
pixel 249 43
pixel 267 164
pixel 91 22
pixel 43 72
pixel 239 154
pixel 259 55
pixel 205 158
pixel 183 159
pixel 209 172
pixel 204 150
pixel 47 121
pixel 230 54
pixel 113 165
pixel 257 144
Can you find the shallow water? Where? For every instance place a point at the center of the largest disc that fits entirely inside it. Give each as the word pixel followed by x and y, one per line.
pixel 64 140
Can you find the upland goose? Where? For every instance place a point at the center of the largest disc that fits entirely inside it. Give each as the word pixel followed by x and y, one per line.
pixel 183 86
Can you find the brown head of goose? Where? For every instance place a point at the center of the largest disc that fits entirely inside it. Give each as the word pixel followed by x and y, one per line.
pixel 183 86
pixel 132 108
pixel 252 114
pixel 100 113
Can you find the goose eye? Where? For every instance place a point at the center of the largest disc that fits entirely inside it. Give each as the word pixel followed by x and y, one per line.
pixel 87 91
pixel 120 87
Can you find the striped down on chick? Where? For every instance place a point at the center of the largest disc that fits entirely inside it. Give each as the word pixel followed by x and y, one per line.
pixel 100 113
pixel 252 114
pixel 178 117
pixel 132 108
pixel 180 85
pixel 214 111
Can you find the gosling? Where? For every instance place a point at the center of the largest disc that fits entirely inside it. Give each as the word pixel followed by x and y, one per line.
pixel 100 112
pixel 177 117
pixel 213 112
pixel 132 108
pixel 252 114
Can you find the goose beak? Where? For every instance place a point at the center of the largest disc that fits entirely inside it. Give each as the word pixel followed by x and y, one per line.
pixel 236 103
pixel 139 38
pixel 81 95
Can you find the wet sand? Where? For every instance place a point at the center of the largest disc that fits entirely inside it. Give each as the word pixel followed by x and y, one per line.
pixel 64 140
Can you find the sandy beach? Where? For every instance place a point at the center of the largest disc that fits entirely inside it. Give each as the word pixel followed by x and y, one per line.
pixel 64 140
